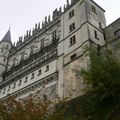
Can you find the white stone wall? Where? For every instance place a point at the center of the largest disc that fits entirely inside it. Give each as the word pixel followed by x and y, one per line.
pixel 30 80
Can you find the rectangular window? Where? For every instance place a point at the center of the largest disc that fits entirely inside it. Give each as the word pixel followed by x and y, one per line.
pixel 26 78
pixel 4 90
pixel 96 34
pixel 100 25
pixel 47 68
pixel 20 81
pixel 39 72
pixel 32 76
pixel 8 89
pixel 71 14
pixel 72 40
pixel 72 27
pixel 93 9
pixel 4 59
pixel 73 57
pixel 14 85
pixel 1 50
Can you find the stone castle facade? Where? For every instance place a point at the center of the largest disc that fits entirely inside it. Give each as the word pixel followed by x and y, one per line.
pixel 43 61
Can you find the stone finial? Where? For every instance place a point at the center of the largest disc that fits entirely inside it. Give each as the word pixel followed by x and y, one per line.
pixel 68 3
pixel 29 32
pixel 33 31
pixel 19 38
pixel 49 18
pixel 42 24
pixel 24 37
pixel 64 7
pixel 60 9
pixel 45 19
pixel 39 25
pixel 36 26
pixel 14 44
pixel 55 14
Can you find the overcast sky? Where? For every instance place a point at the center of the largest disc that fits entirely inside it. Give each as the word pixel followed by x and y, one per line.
pixel 21 15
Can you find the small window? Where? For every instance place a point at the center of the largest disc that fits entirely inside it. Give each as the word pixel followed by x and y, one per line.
pixel 72 40
pixel 4 59
pixel 100 25
pixel 93 9
pixel 96 34
pixel 72 27
pixel 47 68
pixel 4 90
pixel 73 57
pixel 20 81
pixel 26 78
pixel 32 76
pixel 54 35
pixel 39 72
pixel 1 50
pixel 14 85
pixel 71 14
pixel 9 88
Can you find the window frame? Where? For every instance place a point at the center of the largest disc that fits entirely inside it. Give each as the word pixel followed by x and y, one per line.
pixel 72 40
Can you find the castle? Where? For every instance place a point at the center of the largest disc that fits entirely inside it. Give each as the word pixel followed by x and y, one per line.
pixel 43 60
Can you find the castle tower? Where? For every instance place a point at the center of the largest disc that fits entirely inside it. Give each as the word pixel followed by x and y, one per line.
pixel 5 46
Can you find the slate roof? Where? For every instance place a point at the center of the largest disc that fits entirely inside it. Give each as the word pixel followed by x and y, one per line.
pixel 7 37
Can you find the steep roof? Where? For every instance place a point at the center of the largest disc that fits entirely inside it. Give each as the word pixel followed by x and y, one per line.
pixel 7 37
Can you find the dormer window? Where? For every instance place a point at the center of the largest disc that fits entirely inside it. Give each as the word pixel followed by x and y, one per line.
pixel 31 50
pixel 54 35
